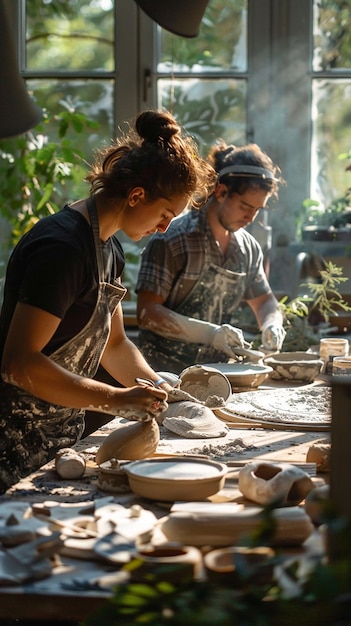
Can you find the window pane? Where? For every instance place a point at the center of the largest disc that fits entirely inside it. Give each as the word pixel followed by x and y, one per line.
pixel 75 35
pixel 332 35
pixel 208 109
pixel 221 44
pixel 331 115
pixel 94 99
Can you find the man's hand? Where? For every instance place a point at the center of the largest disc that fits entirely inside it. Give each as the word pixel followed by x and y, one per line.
pixel 273 337
pixel 227 337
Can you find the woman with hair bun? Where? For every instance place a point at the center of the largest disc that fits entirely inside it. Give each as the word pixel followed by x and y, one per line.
pixel 62 318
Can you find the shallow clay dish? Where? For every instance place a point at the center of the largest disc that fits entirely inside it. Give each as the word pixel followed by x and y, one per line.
pixel 169 479
pixel 243 374
pixel 202 381
pixel 302 366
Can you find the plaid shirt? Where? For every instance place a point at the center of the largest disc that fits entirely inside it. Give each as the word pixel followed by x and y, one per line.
pixel 171 263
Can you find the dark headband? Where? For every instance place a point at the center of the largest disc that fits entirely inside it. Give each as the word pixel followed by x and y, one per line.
pixel 247 170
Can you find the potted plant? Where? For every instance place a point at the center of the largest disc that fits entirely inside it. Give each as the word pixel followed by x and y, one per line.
pixel 305 316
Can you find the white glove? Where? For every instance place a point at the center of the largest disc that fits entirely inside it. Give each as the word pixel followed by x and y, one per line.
pixel 273 337
pixel 227 337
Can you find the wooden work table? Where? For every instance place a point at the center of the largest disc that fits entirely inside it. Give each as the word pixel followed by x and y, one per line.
pixel 68 594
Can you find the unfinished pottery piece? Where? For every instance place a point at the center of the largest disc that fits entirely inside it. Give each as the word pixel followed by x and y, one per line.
pixel 205 382
pixel 299 366
pixel 229 565
pixel 193 421
pixel 243 374
pixel 29 561
pixel 110 535
pixel 169 478
pixel 112 477
pixel 174 563
pixel 130 441
pixel 274 483
pixel 226 523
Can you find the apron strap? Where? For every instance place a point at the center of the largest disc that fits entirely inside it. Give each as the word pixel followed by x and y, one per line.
pixel 94 222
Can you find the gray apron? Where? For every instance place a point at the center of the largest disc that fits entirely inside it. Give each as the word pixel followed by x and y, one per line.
pixel 214 298
pixel 32 430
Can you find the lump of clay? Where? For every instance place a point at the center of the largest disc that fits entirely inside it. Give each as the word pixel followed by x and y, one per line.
pixel 193 421
pixel 69 463
pixel 130 441
pixel 281 484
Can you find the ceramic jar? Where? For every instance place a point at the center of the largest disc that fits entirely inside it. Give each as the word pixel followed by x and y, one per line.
pixel 330 347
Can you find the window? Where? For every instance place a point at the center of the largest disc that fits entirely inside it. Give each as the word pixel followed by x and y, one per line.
pixel 331 100
pixel 276 72
pixel 68 57
pixel 203 81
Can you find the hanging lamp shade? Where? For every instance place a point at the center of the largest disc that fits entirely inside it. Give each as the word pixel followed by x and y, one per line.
pixel 181 17
pixel 18 112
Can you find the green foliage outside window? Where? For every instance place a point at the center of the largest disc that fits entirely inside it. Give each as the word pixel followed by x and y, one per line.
pixel 37 174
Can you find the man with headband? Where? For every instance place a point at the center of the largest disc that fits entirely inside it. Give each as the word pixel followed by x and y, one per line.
pixel 194 277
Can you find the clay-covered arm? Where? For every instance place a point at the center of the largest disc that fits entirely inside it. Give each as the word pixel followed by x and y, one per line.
pixel 25 366
pixel 154 316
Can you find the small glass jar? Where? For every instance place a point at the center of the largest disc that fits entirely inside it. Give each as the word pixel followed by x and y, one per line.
pixel 331 347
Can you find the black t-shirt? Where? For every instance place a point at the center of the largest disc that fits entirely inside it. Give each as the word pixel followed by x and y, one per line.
pixel 54 268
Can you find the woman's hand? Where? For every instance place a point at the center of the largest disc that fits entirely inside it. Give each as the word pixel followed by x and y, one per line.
pixel 142 402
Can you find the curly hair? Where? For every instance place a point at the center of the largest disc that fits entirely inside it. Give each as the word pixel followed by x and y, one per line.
pixel 155 155
pixel 221 156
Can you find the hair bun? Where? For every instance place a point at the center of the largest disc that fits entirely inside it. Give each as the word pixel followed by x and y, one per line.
pixel 153 126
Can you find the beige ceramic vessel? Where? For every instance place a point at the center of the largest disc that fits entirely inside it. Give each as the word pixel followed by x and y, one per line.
pixel 274 483
pixel 229 565
pixel 299 366
pixel 172 562
pixel 243 374
pixel 170 479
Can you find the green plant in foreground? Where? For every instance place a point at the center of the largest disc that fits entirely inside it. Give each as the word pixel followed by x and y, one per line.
pixel 323 597
pixel 308 590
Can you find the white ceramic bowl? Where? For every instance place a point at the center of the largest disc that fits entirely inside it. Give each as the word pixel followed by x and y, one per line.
pixel 299 366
